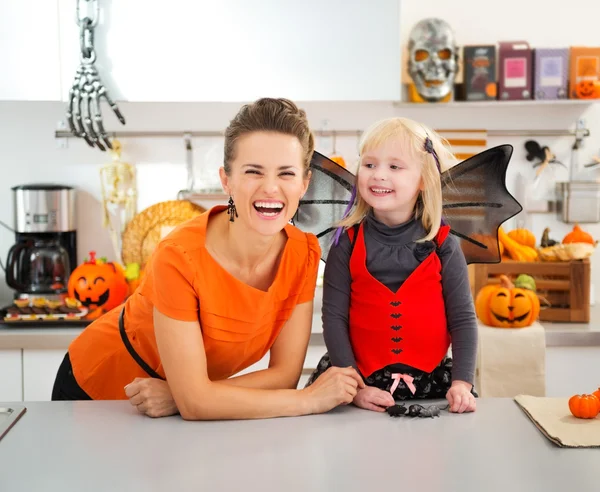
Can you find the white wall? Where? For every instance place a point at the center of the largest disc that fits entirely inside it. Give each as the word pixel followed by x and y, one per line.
pixel 29 152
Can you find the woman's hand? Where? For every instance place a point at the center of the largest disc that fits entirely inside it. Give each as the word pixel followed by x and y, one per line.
pixel 152 397
pixel 460 398
pixel 375 399
pixel 336 386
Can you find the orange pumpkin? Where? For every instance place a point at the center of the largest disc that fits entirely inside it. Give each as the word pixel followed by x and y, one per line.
pixel 584 406
pixel 578 235
pixel 587 89
pixel 597 394
pixel 98 284
pixel 507 306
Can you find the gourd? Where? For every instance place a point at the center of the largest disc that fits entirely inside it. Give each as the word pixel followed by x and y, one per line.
pixel 578 235
pixel 518 252
pixel 546 241
pixel 523 236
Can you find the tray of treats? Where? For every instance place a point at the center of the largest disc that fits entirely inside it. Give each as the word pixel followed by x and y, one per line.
pixel 44 311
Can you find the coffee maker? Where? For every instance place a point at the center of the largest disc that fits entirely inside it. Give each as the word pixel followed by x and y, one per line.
pixel 45 250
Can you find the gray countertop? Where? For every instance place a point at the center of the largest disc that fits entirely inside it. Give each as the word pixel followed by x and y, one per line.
pixel 100 446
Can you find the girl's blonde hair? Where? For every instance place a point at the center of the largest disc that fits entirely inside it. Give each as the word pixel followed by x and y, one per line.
pixel 412 136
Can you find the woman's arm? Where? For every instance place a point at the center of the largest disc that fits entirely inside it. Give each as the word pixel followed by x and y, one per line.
pixel 182 353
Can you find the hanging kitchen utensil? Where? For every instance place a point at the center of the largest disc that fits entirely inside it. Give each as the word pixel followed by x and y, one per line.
pixel 119 196
pixel 84 114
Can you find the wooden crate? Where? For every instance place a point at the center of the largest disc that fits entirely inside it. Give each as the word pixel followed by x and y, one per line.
pixel 566 285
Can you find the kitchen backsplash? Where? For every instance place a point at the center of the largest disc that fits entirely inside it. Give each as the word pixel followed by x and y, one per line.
pixel 29 151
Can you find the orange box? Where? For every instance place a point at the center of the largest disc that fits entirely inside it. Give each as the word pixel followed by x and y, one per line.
pixel 584 80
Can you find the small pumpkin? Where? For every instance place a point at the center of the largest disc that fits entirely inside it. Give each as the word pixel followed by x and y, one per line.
pixel 98 284
pixel 584 406
pixel 597 394
pixel 507 305
pixel 523 236
pixel 578 235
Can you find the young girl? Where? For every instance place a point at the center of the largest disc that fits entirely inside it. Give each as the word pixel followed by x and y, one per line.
pixel 396 287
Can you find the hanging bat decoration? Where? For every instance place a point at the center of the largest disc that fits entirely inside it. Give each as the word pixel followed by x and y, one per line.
pixel 544 155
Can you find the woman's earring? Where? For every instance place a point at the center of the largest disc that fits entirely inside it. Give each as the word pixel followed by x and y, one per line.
pixel 231 209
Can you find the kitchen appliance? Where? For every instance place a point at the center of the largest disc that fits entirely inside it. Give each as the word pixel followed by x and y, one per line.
pixel 45 249
pixel 578 201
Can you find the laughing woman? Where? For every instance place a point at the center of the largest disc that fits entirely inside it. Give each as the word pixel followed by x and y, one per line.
pixel 220 291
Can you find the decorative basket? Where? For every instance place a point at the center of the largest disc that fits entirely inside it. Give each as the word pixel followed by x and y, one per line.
pixel 146 229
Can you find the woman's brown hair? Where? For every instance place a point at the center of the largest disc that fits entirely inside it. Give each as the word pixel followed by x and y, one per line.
pixel 269 115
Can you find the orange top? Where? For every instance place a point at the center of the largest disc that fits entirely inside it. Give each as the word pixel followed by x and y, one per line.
pixel 239 323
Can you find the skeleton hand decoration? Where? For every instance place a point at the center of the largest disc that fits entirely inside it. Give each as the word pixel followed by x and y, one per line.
pixel 84 114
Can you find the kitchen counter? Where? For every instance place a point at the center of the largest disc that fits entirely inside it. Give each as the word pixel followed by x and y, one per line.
pixel 557 334
pixel 99 446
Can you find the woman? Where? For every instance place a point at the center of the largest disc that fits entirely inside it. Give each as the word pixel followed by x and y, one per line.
pixel 219 292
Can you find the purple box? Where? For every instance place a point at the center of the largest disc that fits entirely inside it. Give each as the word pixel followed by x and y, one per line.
pixel 551 69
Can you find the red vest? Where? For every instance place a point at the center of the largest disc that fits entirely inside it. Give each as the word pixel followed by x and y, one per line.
pixel 407 326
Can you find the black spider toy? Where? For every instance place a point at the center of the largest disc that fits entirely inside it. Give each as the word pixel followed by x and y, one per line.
pixel 415 410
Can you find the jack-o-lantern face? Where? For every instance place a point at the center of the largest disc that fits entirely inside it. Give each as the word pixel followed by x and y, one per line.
pixel 506 306
pixel 97 284
pixel 586 89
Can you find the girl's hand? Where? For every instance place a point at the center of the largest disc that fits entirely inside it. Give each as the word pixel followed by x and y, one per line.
pixel 460 398
pixel 375 399
pixel 152 397
pixel 336 386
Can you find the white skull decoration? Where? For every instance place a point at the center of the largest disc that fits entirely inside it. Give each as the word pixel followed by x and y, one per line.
pixel 433 59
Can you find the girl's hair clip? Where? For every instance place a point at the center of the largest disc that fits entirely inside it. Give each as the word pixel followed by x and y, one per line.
pixel 429 148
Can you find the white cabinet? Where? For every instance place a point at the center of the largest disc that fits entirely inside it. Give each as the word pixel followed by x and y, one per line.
pixel 11 381
pixel 39 372
pixel 29 51
pixel 239 50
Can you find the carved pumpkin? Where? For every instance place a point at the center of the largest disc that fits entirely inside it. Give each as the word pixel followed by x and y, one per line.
pixel 578 235
pixel 98 284
pixel 507 305
pixel 584 406
pixel 586 89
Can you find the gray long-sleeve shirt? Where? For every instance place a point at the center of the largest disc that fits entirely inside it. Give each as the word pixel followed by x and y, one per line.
pixel 392 255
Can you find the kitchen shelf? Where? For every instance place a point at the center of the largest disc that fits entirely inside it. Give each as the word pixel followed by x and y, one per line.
pixel 498 103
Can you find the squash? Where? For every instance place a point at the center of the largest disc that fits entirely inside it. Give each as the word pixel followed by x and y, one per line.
pixel 546 241
pixel 508 306
pixel 584 406
pixel 516 251
pixel 523 236
pixel 578 235
pixel 597 394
